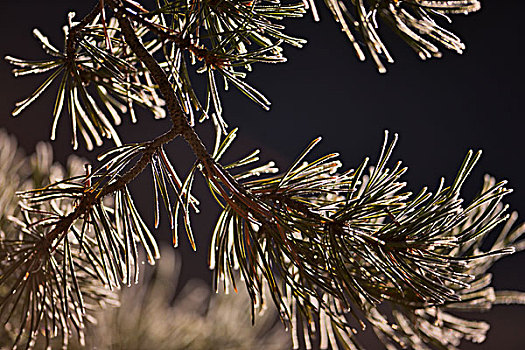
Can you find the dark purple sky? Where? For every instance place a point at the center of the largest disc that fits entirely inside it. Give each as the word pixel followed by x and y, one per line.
pixel 441 108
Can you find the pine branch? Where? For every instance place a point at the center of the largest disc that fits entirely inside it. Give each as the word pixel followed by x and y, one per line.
pixel 212 170
pixel 331 247
pixel 90 197
pixel 340 246
pixel 35 296
pixel 180 124
pixel 411 20
pixel 75 31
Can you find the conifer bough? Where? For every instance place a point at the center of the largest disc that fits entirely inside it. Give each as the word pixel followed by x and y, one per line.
pixel 337 250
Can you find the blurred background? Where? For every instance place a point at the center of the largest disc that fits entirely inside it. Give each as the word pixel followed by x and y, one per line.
pixel 440 108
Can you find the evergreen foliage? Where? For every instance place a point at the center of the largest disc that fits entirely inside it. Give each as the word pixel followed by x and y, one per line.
pixel 334 250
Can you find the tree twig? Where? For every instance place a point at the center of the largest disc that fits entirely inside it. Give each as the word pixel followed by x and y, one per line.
pixel 91 198
pixel 76 29
pixel 212 170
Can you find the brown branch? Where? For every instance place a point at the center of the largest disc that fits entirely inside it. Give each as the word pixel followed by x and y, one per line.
pixel 131 174
pixel 74 31
pixel 212 170
pixel 212 59
pixel 177 116
pixel 90 198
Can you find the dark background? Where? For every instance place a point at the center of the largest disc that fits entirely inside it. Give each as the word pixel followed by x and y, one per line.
pixel 441 108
